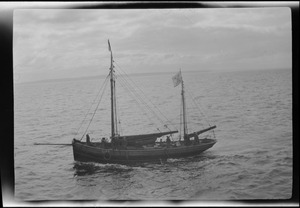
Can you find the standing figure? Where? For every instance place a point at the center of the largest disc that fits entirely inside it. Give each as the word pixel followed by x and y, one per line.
pixel 88 140
pixel 113 143
pixel 103 142
pixel 120 140
pixel 196 138
pixel 168 141
pixel 186 140
pixel 125 143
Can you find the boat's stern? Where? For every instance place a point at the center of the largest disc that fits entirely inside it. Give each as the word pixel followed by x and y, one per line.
pixel 209 142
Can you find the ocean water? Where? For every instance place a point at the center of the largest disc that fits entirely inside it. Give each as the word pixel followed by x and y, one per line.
pixel 252 158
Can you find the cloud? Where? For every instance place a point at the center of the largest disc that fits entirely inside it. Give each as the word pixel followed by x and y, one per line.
pixel 146 40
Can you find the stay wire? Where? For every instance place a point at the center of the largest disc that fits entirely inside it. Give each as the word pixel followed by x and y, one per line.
pixel 139 89
pixel 139 101
pixel 142 101
pixel 148 100
pixel 140 98
pixel 132 96
pixel 90 107
pixel 118 117
pixel 104 84
pixel 181 118
pixel 196 105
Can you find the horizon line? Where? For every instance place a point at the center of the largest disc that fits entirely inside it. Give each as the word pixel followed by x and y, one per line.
pixel 137 74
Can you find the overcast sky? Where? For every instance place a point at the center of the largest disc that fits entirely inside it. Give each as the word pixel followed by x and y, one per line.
pixel 58 43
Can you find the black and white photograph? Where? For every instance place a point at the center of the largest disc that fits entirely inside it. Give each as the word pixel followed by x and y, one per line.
pixel 153 104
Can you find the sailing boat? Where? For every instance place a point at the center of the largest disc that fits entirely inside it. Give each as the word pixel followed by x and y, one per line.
pixel 126 149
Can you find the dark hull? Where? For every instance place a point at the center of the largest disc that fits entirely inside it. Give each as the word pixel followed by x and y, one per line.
pixel 85 153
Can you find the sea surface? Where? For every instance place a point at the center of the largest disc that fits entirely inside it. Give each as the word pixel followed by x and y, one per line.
pixel 252 158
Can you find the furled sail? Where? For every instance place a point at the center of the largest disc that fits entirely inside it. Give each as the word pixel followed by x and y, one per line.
pixel 144 139
pixel 201 131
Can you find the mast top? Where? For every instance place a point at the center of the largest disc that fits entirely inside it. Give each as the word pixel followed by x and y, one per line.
pixel 111 56
pixel 109 48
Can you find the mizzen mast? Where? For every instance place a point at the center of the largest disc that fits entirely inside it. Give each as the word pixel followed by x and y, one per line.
pixel 185 131
pixel 113 95
pixel 177 79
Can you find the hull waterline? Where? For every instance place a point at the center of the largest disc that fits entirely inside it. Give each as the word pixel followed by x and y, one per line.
pixel 86 153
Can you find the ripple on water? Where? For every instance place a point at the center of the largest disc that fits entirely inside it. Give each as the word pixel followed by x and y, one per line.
pixel 251 160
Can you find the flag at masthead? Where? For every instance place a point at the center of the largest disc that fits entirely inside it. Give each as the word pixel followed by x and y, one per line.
pixel 177 79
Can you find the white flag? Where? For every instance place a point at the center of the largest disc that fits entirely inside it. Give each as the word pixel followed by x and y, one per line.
pixel 177 79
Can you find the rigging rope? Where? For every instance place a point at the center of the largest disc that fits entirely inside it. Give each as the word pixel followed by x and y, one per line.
pixel 115 106
pixel 132 95
pixel 142 102
pixel 118 117
pixel 196 105
pixel 104 84
pixel 181 118
pixel 90 107
pixel 146 98
pixel 132 90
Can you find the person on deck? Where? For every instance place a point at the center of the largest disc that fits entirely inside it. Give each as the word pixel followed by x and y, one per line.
pixel 125 143
pixel 116 142
pixel 88 140
pixel 186 140
pixel 120 141
pixel 168 141
pixel 196 138
pixel 113 143
pixel 103 141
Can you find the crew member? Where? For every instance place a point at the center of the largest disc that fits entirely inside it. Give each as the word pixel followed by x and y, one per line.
pixel 186 140
pixel 168 141
pixel 88 140
pixel 196 138
pixel 113 142
pixel 120 141
pixel 125 143
pixel 103 141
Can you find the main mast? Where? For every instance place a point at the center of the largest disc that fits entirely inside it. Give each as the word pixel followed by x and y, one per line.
pixel 184 109
pixel 112 93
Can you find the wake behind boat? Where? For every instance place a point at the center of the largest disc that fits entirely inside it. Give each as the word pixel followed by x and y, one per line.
pixel 125 149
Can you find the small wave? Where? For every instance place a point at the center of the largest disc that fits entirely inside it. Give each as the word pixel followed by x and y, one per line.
pixel 31 173
pixel 18 167
pixel 89 168
pixel 260 152
pixel 207 156
pixel 172 160
pixel 229 158
pixel 287 160
pixel 228 163
pixel 275 172
pixel 261 162
pixel 241 157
